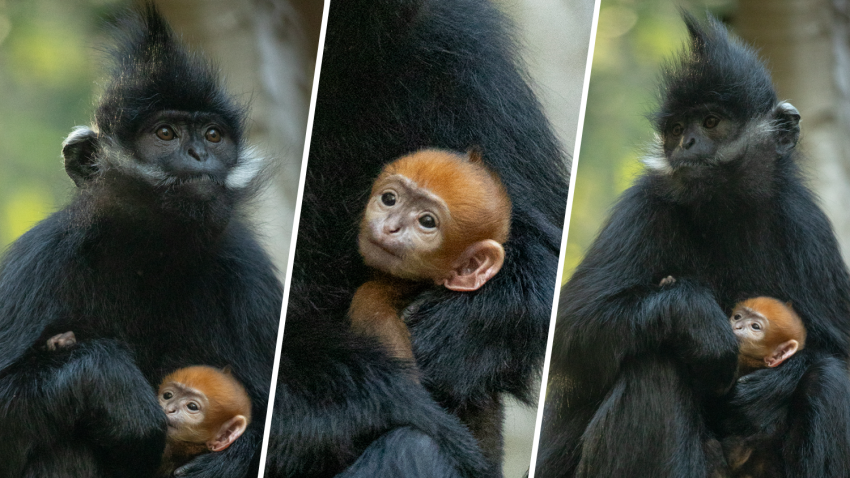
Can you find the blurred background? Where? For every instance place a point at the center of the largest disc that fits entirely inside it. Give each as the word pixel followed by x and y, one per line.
pixel 555 36
pixel 806 44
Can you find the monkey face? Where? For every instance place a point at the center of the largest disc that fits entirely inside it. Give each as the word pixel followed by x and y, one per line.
pixel 185 408
pixel 750 327
pixel 191 152
pixel 403 225
pixel 692 139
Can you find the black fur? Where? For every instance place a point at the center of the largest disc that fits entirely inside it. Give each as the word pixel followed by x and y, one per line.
pixel 637 368
pixel 149 278
pixel 398 76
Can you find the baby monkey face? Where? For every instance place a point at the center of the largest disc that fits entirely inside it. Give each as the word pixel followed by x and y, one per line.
pixel 749 326
pixel 404 224
pixel 185 409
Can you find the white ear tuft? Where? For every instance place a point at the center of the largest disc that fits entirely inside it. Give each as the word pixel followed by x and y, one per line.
pixel 79 133
pixel 249 165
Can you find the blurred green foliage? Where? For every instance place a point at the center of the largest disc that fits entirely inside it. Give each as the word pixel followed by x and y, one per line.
pixel 49 63
pixel 633 39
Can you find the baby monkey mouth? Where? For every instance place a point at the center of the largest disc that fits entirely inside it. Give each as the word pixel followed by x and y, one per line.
pixel 394 253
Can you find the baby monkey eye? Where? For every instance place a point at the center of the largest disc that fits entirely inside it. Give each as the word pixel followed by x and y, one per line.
pixel 710 121
pixel 212 135
pixel 677 129
pixel 388 199
pixel 737 316
pixel 192 406
pixel 428 221
pixel 165 133
pixel 756 326
pixel 167 395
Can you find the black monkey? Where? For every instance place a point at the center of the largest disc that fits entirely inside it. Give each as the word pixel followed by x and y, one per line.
pixel 398 76
pixel 637 367
pixel 151 266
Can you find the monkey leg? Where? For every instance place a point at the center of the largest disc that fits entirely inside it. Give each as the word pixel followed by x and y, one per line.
pixel 375 311
pixel 90 398
pixel 403 452
pixel 649 424
pixel 818 441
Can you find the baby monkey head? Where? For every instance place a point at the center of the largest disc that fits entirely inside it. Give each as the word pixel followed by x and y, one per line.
pixel 437 215
pixel 204 405
pixel 768 331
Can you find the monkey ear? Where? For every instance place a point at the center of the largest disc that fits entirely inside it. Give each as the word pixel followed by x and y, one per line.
pixel 787 121
pixel 781 353
pixel 78 150
pixel 228 433
pixel 478 263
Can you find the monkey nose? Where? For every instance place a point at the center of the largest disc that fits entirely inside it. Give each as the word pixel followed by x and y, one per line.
pixel 392 228
pixel 689 142
pixel 197 155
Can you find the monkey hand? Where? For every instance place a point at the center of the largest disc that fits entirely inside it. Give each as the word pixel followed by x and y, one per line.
pixel 61 341
pixel 669 280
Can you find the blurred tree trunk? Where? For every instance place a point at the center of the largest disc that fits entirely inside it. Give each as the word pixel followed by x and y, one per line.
pixel 807 45
pixel 267 52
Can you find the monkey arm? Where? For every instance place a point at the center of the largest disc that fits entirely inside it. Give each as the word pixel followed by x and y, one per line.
pixel 91 389
pixel 375 311
pixel 613 309
pixel 341 395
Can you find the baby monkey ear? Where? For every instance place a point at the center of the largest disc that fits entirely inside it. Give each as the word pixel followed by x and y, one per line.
pixel 228 433
pixel 781 353
pixel 478 263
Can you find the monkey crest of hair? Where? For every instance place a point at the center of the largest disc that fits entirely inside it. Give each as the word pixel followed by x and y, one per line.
pixel 479 206
pixel 230 396
pixel 153 72
pixel 714 69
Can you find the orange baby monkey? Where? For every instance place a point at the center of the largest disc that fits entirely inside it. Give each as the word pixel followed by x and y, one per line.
pixel 207 410
pixel 768 332
pixel 434 217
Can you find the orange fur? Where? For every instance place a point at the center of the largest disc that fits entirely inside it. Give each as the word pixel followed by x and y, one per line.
pixel 227 397
pixel 479 209
pixel 479 205
pixel 785 324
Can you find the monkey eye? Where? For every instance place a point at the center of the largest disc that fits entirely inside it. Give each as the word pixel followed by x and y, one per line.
pixel 193 406
pixel 388 199
pixel 677 129
pixel 737 317
pixel 213 135
pixel 165 133
pixel 755 326
pixel 167 395
pixel 428 221
pixel 710 121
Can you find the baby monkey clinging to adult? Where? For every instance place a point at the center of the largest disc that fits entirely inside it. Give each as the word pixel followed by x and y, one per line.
pixel 434 217
pixel 207 410
pixel 768 332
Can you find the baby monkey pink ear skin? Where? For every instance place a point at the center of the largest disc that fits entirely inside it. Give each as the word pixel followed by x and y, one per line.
pixel 478 264
pixel 781 353
pixel 228 433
